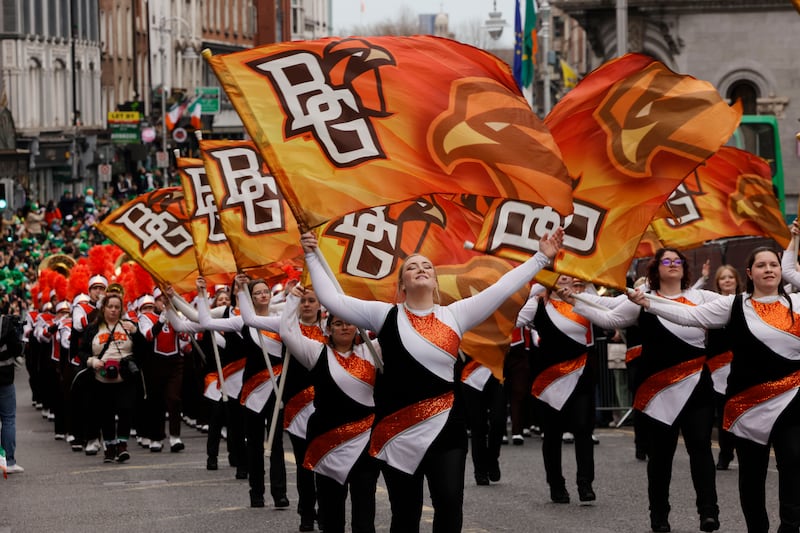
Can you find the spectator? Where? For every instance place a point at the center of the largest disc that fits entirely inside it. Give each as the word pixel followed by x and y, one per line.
pixel 10 348
pixel 67 203
pixel 34 222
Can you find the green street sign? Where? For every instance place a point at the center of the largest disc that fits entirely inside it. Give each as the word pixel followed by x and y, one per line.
pixel 209 99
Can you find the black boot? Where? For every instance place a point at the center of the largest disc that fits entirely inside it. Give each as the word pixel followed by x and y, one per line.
pixel 110 454
pixel 211 463
pixel 256 500
pixel 585 492
pixel 559 494
pixel 122 452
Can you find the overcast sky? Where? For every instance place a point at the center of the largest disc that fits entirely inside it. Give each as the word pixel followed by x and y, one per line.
pixel 348 14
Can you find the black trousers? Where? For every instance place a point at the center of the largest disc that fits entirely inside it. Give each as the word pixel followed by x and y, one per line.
pixel 444 470
pixel 517 374
pixel 332 495
pixel 753 462
pixel 487 422
pixel 306 487
pixel 164 383
pixel 694 422
pixel 577 417
pixel 254 424
pixel 115 400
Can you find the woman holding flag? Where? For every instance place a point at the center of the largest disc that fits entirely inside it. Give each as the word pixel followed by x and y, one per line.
pixel 763 405
pixel 420 421
pixel 343 375
pixel 258 387
pixel 563 385
pixel 675 394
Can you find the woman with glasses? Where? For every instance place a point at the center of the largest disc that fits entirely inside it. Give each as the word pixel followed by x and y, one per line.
pixel 674 394
pixel 763 405
pixel 420 421
pixel 258 389
pixel 343 374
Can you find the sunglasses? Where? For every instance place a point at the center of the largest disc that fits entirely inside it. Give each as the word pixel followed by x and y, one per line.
pixel 672 262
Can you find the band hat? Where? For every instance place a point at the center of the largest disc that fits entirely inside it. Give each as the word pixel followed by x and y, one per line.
pixel 146 300
pixel 98 280
pixel 82 297
pixel 156 293
pixel 63 305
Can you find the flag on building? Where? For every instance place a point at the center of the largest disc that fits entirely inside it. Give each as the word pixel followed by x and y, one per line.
pixel 531 43
pixel 175 112
pixel 196 113
pixel 569 76
pixel 519 43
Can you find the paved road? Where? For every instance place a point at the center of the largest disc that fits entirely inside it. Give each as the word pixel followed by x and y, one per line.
pixel 70 492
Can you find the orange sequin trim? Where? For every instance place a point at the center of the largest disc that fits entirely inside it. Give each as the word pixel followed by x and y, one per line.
pixel 739 404
pixel 552 373
pixel 211 378
pixel 296 404
pixel 633 353
pixel 661 380
pixel 777 315
pixel 718 361
pixel 399 421
pixel 313 332
pixel 256 380
pixel 271 335
pixel 435 331
pixel 566 309
pixel 234 367
pixel 357 367
pixel 322 445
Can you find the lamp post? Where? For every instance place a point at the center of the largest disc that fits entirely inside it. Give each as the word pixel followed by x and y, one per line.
pixel 545 9
pixel 496 23
pixel 164 27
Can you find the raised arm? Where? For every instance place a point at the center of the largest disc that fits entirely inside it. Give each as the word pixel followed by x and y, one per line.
pixel 622 315
pixel 789 258
pixel 365 314
pixel 306 350
pixel 233 323
pixel 181 323
pixel 471 311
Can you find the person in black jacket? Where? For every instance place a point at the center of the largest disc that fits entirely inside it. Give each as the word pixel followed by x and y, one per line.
pixel 10 349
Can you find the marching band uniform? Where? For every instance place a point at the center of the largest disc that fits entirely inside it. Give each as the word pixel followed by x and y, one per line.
pixel 257 396
pixel 486 412
pixel 420 428
pixel 339 427
pixel 674 395
pixel 563 385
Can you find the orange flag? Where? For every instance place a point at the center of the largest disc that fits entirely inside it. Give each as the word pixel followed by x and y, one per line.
pixel 153 229
pixel 730 195
pixel 212 250
pixel 367 248
pixel 629 133
pixel 348 124
pixel 262 233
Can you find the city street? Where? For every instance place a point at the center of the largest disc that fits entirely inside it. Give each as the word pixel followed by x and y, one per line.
pixel 69 492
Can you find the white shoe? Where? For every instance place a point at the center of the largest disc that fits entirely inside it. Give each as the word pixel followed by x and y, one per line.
pixel 526 432
pixel 14 469
pixel 517 440
pixel 155 446
pixel 568 437
pixel 92 447
pixel 175 444
pixel 70 438
pixel 45 413
pixel 145 443
pixel 60 436
pixel 133 432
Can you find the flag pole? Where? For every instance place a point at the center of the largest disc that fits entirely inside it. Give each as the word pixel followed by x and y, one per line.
pixel 217 360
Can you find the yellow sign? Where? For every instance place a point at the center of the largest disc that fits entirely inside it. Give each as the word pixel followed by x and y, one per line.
pixel 124 116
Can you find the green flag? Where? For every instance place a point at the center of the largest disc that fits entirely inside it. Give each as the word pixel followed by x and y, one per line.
pixel 530 43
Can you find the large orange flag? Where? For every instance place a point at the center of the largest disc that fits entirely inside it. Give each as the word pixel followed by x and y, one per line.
pixel 629 133
pixel 349 124
pixel 730 195
pixel 262 233
pixel 367 248
pixel 212 250
pixel 153 229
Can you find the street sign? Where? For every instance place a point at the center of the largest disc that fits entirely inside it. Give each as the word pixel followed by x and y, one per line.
pixel 124 126
pixel 148 134
pixel 209 99
pixel 162 160
pixel 180 135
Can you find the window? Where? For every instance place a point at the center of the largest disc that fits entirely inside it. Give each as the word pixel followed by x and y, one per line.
pixel 746 92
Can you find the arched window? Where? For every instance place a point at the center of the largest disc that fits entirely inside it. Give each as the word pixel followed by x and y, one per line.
pixel 747 93
pixel 35 81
